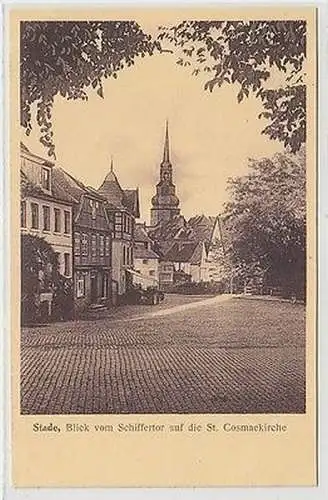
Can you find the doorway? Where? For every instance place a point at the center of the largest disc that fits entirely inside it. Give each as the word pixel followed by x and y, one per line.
pixel 94 291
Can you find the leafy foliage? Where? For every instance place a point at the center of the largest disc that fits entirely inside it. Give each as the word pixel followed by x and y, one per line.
pixel 65 58
pixel 265 221
pixel 247 54
pixel 40 273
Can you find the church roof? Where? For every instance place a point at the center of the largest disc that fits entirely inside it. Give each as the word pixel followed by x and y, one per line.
pixel 166 152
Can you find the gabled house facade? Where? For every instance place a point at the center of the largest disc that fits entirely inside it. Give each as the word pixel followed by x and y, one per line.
pixel 122 209
pixel 184 262
pixel 92 244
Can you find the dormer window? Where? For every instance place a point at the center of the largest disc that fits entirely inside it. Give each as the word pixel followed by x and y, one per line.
pixel 45 178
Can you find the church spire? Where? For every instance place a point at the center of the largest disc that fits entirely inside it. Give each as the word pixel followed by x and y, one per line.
pixel 165 203
pixel 111 164
pixel 166 154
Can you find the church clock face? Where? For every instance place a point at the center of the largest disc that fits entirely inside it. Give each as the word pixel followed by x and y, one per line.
pixel 166 176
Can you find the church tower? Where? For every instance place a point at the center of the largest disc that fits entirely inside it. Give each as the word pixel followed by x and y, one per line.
pixel 165 203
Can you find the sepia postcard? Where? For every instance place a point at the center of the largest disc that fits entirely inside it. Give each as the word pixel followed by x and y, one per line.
pixel 163 263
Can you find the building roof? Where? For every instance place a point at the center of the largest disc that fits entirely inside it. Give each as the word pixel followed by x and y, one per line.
pixel 111 189
pixel 181 252
pixel 202 227
pixel 65 183
pixel 27 153
pixel 168 230
pixel 140 233
pixel 117 197
pixel 141 252
pixel 196 257
pixel 131 201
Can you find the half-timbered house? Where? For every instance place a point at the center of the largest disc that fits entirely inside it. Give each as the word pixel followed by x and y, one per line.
pixel 92 245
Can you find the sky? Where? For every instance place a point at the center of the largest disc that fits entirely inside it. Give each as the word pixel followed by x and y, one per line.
pixel 211 135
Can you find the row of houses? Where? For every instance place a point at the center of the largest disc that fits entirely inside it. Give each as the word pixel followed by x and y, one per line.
pixel 91 231
pixel 101 247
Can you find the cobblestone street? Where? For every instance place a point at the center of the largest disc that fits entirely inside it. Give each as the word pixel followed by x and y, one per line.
pixel 215 355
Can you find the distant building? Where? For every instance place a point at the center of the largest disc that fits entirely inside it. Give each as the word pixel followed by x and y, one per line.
pixel 190 249
pixel 165 203
pixel 46 209
pixel 216 253
pixel 122 208
pixel 189 262
pixel 146 261
pixel 92 244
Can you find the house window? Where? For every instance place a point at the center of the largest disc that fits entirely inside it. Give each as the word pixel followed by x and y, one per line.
pixel 67 222
pixel 35 215
pixel 145 261
pixel 124 255
pixel 80 285
pixel 94 245
pixel 101 245
pixel 84 245
pixel 67 264
pixel 23 214
pixel 131 255
pixel 77 244
pixel 152 272
pixel 46 218
pixel 45 178
pixel 107 246
pixel 57 220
